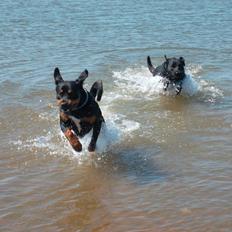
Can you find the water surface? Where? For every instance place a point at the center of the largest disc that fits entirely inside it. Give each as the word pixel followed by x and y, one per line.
pixel 163 162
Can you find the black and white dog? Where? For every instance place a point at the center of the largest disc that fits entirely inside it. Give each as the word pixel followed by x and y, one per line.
pixel 172 71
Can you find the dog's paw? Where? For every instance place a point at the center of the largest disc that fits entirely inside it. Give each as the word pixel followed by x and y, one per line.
pixel 178 90
pixel 166 84
pixel 77 147
pixel 92 147
pixel 165 88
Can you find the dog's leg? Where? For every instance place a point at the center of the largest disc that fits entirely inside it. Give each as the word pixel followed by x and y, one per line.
pixel 73 140
pixel 166 84
pixel 96 131
pixel 66 127
pixel 178 88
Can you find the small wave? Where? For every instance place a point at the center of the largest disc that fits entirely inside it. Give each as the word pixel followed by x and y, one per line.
pixel 209 92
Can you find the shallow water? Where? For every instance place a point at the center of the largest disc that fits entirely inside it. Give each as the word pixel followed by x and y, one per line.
pixel 163 163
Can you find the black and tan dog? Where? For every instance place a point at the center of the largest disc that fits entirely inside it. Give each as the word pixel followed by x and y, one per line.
pixel 79 112
pixel 172 71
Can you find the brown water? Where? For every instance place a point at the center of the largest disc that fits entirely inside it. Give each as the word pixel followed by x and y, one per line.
pixel 163 163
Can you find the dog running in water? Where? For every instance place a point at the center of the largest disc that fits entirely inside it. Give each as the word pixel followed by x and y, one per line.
pixel 79 111
pixel 172 70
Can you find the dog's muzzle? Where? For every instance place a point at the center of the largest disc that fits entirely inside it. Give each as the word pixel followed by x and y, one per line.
pixel 67 105
pixel 179 75
pixel 61 102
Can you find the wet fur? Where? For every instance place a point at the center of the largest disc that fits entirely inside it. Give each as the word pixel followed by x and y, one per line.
pixel 172 71
pixel 79 112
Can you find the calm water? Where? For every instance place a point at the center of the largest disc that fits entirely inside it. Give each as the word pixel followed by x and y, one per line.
pixel 163 162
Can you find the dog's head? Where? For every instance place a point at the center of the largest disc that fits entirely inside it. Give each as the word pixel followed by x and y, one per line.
pixel 174 68
pixel 68 93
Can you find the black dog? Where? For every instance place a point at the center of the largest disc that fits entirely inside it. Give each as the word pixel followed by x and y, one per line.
pixel 172 71
pixel 79 112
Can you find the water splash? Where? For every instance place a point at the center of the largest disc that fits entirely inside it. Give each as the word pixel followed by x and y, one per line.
pixel 138 82
pixel 115 129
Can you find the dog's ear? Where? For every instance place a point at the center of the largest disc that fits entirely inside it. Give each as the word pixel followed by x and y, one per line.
pixel 82 77
pixel 166 59
pixel 57 77
pixel 165 65
pixel 182 60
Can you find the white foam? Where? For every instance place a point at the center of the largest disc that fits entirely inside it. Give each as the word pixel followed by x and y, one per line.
pixel 115 129
pixel 137 82
pixel 207 89
pixel 189 87
pixel 133 83
pixel 37 143
pixel 194 69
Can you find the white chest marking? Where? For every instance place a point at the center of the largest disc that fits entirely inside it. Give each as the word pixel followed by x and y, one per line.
pixel 77 122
